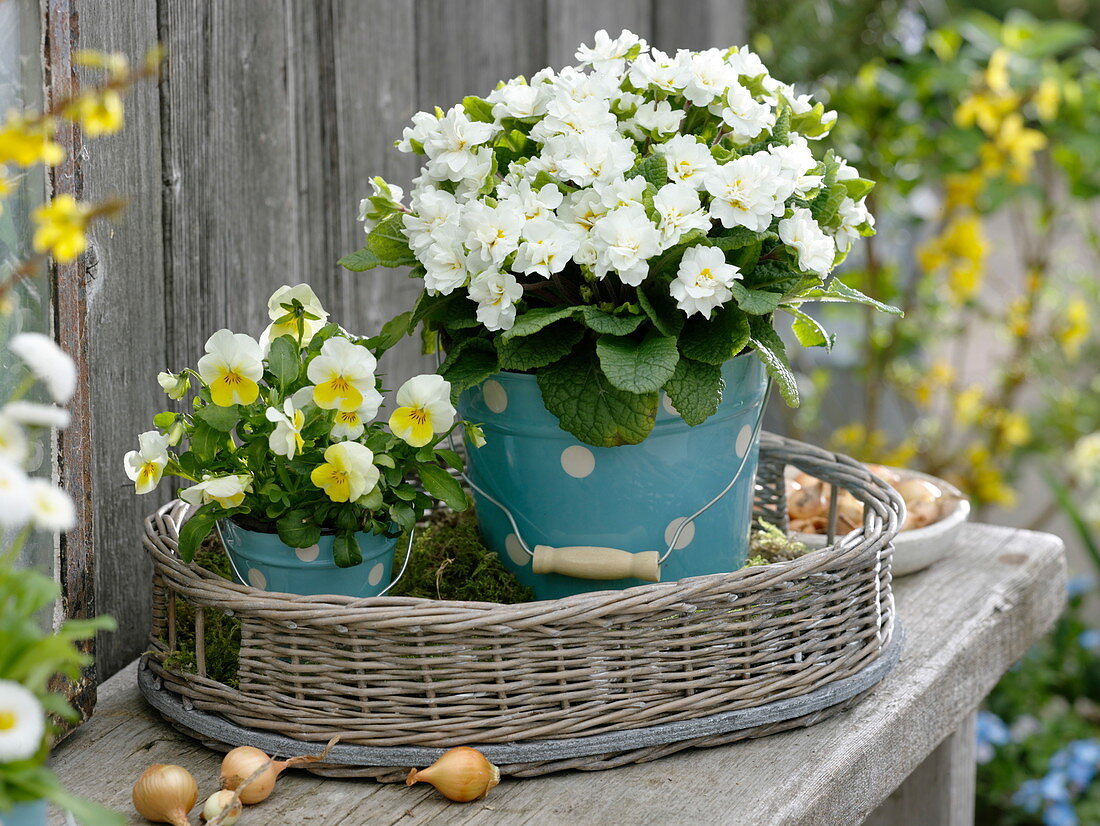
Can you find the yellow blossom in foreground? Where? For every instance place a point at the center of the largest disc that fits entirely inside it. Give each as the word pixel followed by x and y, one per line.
pixel 232 368
pixel 97 112
pixel 59 228
pixel 26 142
pixel 986 110
pixel 985 480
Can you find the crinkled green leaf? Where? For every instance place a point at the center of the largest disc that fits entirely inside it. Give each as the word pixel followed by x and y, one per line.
pixel 388 242
pixel 808 330
pixel 657 303
pixel 587 405
pixel 360 260
pixel 839 291
pixel 469 364
pixel 653 168
pixel 718 340
pixel 538 349
pixel 534 320
pixel 478 109
pixel 774 355
pixel 638 366
pixel 755 302
pixel 695 390
pixel 598 321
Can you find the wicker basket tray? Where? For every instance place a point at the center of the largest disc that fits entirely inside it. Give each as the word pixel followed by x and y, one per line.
pixel 389 673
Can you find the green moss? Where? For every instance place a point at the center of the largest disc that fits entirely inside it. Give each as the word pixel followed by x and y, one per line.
pixel 449 561
pixel 769 544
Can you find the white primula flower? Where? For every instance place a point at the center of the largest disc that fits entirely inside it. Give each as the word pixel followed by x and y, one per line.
pixel 658 117
pixel 496 294
pixel 596 156
pixel 379 188
pixel 743 192
pixel 227 491
pixel 48 362
pixel 348 472
pixel 747 64
pixel 621 191
pixel 703 281
pixel 286 439
pixel 282 303
pixel 746 116
pixel 424 409
pixel 145 466
pixel 22 723
pixel 51 507
pixel 350 424
pixel 425 125
pixel 232 368
pixel 452 146
pixel 680 212
pixel 445 266
pixel 816 250
pixel 796 162
pixel 32 414
pixel 583 208
pixel 13 441
pixel 706 76
pixel 533 203
pixel 431 209
pixel 607 55
pixel 657 69
pixel 516 99
pixel 343 376
pixel 853 215
pixel 493 232
pixel 566 116
pixel 15 503
pixel 477 172
pixel 175 385
pixel 575 84
pixel 547 247
pixel 688 160
pixel 625 239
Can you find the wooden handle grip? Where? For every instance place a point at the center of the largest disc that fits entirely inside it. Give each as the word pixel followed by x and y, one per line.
pixel 586 562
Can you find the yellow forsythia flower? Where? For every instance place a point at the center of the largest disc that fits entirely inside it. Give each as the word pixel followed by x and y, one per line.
pixel 25 142
pixel 961 189
pixel 939 375
pixel 1076 328
pixel 98 112
pixel 59 228
pixel 996 72
pixel 968 404
pixel 985 480
pixel 1046 99
pixel 1013 149
pixel 1013 427
pixel 960 250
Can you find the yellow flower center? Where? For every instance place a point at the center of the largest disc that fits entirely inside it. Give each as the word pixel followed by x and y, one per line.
pixel 8 720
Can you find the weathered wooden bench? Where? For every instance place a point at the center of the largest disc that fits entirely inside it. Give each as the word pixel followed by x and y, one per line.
pixel 903 757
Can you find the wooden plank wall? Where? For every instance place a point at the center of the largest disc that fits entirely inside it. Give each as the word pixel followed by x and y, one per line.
pixel 244 170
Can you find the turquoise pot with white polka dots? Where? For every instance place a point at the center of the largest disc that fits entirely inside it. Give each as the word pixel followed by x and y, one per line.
pixel 25 814
pixel 264 561
pixel 563 493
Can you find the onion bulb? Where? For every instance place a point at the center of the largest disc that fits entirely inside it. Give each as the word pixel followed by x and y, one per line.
pixel 224 804
pixel 922 502
pixel 461 774
pixel 165 794
pixel 252 772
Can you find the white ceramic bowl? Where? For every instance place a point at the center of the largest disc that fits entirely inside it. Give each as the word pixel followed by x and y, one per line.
pixel 915 550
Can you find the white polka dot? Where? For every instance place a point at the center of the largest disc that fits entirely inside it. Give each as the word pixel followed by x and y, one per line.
pixel 515 550
pixel 256 579
pixel 496 399
pixel 375 575
pixel 666 402
pixel 686 535
pixel 744 438
pixel 307 554
pixel 578 461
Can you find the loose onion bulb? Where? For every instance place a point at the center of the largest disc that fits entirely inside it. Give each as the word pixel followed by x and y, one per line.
pixel 165 794
pixel 224 803
pixel 254 773
pixel 461 774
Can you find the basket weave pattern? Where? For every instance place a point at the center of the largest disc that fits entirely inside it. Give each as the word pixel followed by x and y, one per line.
pixel 392 671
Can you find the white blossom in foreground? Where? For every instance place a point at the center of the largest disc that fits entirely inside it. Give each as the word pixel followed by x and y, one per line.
pixel 13 440
pixel 496 294
pixel 703 281
pixel 744 192
pixel 680 212
pixel 816 250
pixel 48 362
pixel 24 723
pixel 688 160
pixel 15 504
pixel 625 238
pixel 51 508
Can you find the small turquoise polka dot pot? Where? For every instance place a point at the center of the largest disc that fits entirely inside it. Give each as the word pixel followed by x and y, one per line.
pixel 264 561
pixel 563 493
pixel 25 814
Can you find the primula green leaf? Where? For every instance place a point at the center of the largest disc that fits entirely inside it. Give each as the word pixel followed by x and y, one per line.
pixel 451 312
pixel 196 529
pixel 755 302
pixel 718 340
pixel 469 364
pixel 284 360
pixel 657 303
pixel 345 550
pixel 839 291
pixel 857 188
pixel 774 276
pixel 587 405
pixel 653 168
pixel 808 330
pixel 773 353
pixel 360 261
pixel 695 390
pixel 638 366
pixel 478 109
pixel 598 321
pixel 534 320
pixel 538 349
pixel 442 486
pixel 737 237
pixel 388 242
pixel 781 132
pixel 297 529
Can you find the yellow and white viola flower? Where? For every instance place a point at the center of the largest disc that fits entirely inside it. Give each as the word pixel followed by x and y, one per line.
pixel 51 508
pixel 48 362
pixel 15 502
pixel 348 472
pixel 343 377
pixel 175 385
pixel 350 424
pixel 278 306
pixel 22 723
pixel 232 368
pixel 227 491
pixel 145 466
pixel 424 409
pixel 13 441
pixel 286 439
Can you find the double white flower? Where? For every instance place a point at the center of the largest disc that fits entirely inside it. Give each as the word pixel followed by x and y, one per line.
pixel 703 281
pixel 816 250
